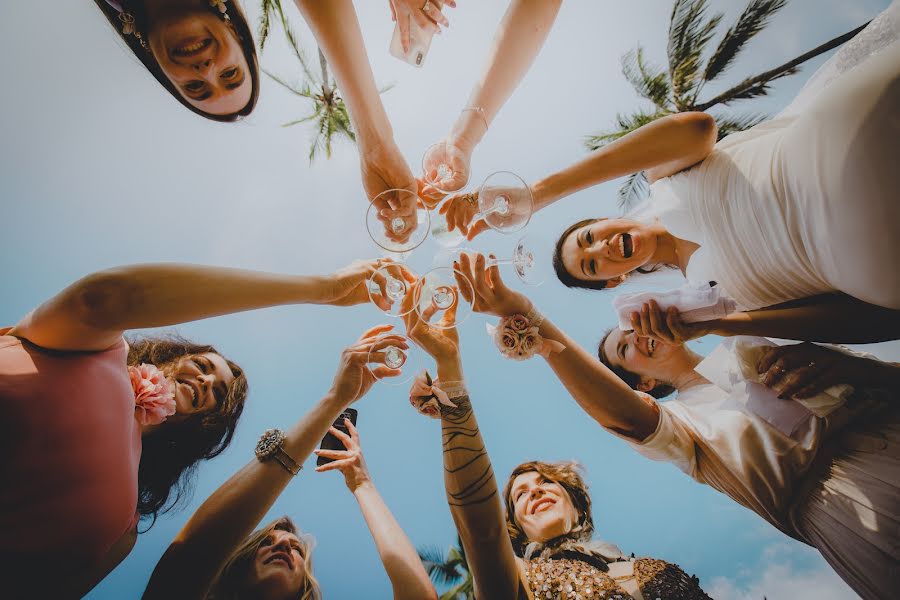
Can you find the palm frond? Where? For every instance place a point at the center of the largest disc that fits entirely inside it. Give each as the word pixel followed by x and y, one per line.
pixel 633 190
pixel 760 88
pixel 440 569
pixel 465 590
pixel 646 79
pixel 298 121
pixel 753 20
pixel 267 8
pixel 734 123
pixel 304 92
pixel 294 43
pixel 689 33
pixel 626 124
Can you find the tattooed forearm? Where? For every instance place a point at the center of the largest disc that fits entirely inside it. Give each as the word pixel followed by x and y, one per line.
pixel 467 469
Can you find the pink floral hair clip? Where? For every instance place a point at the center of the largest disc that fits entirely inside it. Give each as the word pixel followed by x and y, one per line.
pixel 518 338
pixel 154 394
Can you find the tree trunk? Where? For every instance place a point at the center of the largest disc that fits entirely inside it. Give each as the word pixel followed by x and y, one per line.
pixel 768 75
pixel 326 87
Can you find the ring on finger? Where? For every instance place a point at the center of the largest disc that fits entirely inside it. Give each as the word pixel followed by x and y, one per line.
pixel 470 199
pixel 426 7
pixel 812 364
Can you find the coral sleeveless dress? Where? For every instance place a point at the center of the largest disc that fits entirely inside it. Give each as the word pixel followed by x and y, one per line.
pixel 70 448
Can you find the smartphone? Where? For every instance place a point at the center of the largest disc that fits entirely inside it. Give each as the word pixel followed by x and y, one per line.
pixel 419 43
pixel 329 442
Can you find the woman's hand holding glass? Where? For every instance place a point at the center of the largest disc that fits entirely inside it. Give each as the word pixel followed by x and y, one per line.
pixel 509 207
pixel 383 168
pixel 354 378
pixel 667 326
pixel 442 342
pixel 347 286
pixel 445 170
pixel 350 462
pixel 490 294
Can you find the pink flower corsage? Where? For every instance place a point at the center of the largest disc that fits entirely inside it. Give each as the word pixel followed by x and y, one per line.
pixel 518 338
pixel 154 394
pixel 426 397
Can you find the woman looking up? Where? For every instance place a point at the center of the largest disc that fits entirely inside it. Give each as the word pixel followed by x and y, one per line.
pixel 202 53
pixel 133 419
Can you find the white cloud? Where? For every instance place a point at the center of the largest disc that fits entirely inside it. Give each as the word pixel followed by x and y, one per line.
pixel 785 572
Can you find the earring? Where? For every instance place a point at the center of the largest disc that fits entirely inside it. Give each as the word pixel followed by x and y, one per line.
pixel 220 5
pixel 129 28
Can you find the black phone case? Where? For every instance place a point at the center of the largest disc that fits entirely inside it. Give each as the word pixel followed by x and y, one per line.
pixel 329 442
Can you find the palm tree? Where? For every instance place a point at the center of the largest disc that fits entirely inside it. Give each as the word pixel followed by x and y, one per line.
pixel 677 89
pixel 451 569
pixel 330 115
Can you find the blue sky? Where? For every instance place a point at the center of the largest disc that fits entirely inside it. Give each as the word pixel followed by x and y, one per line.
pixel 99 167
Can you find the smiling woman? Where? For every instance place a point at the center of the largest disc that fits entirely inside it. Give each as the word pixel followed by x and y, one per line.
pixel 203 55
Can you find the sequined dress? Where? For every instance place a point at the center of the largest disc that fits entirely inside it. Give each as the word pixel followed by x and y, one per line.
pixel 572 579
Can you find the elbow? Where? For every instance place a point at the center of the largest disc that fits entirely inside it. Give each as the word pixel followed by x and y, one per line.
pixel 102 300
pixel 700 127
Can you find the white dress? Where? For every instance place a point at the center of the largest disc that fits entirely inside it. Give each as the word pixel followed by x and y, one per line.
pixel 808 202
pixel 831 482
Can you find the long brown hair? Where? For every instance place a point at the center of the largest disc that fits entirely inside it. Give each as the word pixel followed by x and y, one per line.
pixel 170 453
pixel 659 391
pixel 568 475
pixel 231 584
pixel 244 36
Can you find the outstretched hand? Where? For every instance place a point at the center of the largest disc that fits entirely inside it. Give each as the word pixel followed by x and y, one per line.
pixel 350 462
pixel 490 295
pixel 427 15
pixel 459 210
pixel 383 168
pixel 442 343
pixel 354 378
pixel 666 326
pixel 348 286
pixel 804 370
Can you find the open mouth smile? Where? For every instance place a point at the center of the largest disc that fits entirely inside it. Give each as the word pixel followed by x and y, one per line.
pixel 193 48
pixel 543 504
pixel 626 245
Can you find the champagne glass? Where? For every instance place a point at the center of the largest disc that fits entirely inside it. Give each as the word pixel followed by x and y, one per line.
pixel 528 261
pixel 389 286
pixel 400 229
pixel 394 356
pixel 438 291
pixel 445 168
pixel 505 202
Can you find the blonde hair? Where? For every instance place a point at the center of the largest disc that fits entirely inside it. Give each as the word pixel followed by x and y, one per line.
pixel 231 584
pixel 568 475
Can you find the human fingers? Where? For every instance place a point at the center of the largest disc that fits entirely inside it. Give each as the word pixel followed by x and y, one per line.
pixel 333 454
pixel 477 227
pixel 680 330
pixel 393 10
pixel 429 312
pixel 775 373
pixel 826 379
pixel 659 324
pixel 343 437
pixel 381 299
pixel 798 379
pixel 768 358
pixel 448 319
pixel 383 372
pixel 494 277
pixel 434 13
pixel 374 332
pixel 424 17
pixel 403 23
pixel 645 321
pixel 462 283
pixel 354 434
pixel 339 465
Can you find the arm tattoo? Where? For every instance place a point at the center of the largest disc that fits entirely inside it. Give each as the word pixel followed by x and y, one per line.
pixel 468 475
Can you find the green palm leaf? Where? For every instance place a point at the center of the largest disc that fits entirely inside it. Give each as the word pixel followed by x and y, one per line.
pixel 633 190
pixel 647 80
pixel 689 33
pixel 732 124
pixel 626 124
pixel 753 20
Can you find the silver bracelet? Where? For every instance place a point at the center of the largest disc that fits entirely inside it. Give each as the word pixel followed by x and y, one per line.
pixel 480 112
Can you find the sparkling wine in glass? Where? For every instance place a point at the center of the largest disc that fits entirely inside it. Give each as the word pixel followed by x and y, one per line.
pixel 397 221
pixel 439 291
pixel 389 286
pixel 505 202
pixel 444 167
pixel 395 352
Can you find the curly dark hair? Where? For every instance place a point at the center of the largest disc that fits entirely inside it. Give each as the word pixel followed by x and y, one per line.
pixel 171 452
pixel 568 475
pixel 661 390
pixel 244 36
pixel 569 280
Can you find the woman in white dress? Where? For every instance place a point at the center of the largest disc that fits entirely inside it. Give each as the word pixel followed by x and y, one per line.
pixel 824 473
pixel 801 206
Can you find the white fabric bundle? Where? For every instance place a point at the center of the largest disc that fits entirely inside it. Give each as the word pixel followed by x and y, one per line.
pixel 695 302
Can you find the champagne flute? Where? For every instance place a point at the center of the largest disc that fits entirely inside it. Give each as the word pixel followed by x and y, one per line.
pixel 505 202
pixel 438 291
pixel 393 355
pixel 389 285
pixel 397 221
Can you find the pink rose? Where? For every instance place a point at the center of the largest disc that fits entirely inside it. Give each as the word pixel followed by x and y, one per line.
pixel 154 394
pixel 507 341
pixel 517 323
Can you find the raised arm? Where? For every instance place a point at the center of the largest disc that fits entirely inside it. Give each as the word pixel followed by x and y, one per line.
pixel 832 318
pixel 605 397
pixel 469 481
pixel 519 38
pixel 93 312
pixel 661 148
pixel 408 577
pixel 229 515
pixel 336 28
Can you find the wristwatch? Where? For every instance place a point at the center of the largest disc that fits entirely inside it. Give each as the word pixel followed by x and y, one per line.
pixel 270 446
